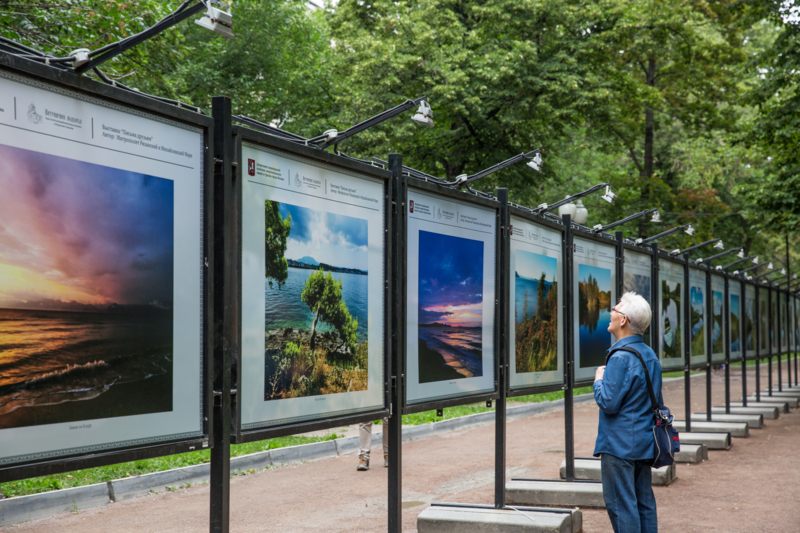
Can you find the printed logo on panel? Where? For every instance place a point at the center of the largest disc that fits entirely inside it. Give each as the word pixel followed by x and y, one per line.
pixel 251 167
pixel 33 116
pixel 411 206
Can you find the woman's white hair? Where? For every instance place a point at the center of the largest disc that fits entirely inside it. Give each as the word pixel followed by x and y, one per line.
pixel 637 310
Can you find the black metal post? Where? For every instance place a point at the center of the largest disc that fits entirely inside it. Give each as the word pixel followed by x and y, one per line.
pixel 709 343
pixel 743 304
pixel 655 297
pixel 789 314
pixel 224 290
pixel 770 335
pixel 620 264
pixel 778 339
pixel 569 351
pixel 687 321
pixel 397 389
pixel 757 316
pixel 726 324
pixel 503 294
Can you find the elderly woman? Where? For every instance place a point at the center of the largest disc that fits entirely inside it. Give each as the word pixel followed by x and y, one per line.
pixel 624 436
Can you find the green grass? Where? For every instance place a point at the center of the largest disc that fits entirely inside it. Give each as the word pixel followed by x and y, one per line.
pixel 146 466
pixel 158 464
pixel 751 362
pixel 678 374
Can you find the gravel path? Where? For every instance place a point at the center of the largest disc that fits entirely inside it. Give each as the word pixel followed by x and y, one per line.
pixel 753 487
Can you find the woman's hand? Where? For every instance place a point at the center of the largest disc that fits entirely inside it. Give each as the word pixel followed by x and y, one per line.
pixel 598 374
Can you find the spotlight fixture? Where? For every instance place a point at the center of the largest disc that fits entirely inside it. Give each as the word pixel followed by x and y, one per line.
pixel 755 260
pixel 740 255
pixel 656 217
pixel 217 20
pixel 609 195
pixel 769 266
pixel 81 56
pixel 536 162
pixel 783 271
pixel 689 230
pixel 719 246
pixel 424 116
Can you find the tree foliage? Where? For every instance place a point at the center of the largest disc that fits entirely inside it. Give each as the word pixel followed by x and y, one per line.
pixel 276 234
pixel 323 295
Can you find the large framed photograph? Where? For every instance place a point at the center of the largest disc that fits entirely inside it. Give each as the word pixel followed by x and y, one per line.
pixel 698 322
pixel 535 305
pixel 637 277
pixel 313 245
pixel 102 312
pixel 450 284
pixel 735 316
pixel 750 320
pixel 594 293
pixel 671 339
pixel 763 321
pixel 717 327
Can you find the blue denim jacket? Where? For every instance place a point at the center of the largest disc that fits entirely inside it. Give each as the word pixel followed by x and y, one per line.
pixel 626 422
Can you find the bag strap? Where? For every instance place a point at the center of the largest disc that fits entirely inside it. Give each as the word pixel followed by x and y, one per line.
pixel 653 400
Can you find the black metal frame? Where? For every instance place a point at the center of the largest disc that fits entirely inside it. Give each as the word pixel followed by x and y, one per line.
pixel 239 135
pixel 407 183
pixel 559 227
pixel 68 80
pixel 600 238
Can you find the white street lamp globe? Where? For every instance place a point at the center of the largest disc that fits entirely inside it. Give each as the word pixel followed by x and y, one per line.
pixel 567 209
pixel 581 213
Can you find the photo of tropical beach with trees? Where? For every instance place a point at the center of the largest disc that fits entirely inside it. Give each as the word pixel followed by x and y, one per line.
pixel 535 312
pixel 697 320
pixel 671 326
pixel 86 291
pixel 450 308
pixel 316 302
pixel 594 314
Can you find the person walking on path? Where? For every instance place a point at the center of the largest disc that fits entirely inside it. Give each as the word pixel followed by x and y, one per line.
pixel 365 443
pixel 625 432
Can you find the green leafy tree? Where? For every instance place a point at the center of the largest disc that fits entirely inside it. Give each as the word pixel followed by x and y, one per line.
pixel 323 295
pixel 276 233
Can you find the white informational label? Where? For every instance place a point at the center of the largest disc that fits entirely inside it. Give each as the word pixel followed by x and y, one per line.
pixel 672 292
pixel 698 319
pixel 594 293
pixel 735 308
pixel 717 324
pixel 313 249
pixel 535 304
pixel 101 275
pixel 636 277
pixel 750 321
pixel 451 294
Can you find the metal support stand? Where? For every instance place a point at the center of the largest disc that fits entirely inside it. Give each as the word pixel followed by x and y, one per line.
pixel 757 305
pixel 398 349
pixel 569 352
pixel 709 343
pixel 778 341
pixel 502 296
pixel 769 342
pixel 220 481
pixel 687 328
pixel 726 324
pixel 743 338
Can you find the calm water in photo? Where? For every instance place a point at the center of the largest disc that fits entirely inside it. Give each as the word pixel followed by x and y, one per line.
pixel 594 338
pixel 49 358
pixel 520 286
pixel 464 344
pixel 285 309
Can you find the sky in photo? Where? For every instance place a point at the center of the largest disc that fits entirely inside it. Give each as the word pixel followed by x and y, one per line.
pixel 602 275
pixel 336 240
pixel 450 280
pixel 74 234
pixel 531 265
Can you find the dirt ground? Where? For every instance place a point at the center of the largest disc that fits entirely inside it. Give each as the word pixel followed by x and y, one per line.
pixel 753 487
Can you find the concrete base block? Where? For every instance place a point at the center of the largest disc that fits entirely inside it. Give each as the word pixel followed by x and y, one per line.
pixel 305 452
pixel 556 493
pixel 736 429
pixel 782 404
pixel 754 421
pixel 444 519
pixel 589 469
pixel 791 393
pixel 769 413
pixel 778 397
pixel 22 508
pixel 691 453
pixel 712 441
pixel 131 487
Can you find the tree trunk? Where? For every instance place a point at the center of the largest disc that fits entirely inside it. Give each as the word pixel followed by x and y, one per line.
pixel 314 330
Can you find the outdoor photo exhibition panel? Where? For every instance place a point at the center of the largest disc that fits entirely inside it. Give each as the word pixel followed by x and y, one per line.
pixel 101 272
pixel 637 277
pixel 796 322
pixel 750 320
pixel 450 288
pixel 774 332
pixel 698 321
pixel 671 337
pixel 763 321
pixel 313 302
pixel 595 274
pixel 735 308
pixel 535 303
pixel 717 322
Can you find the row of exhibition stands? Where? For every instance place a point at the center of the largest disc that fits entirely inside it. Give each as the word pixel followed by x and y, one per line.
pixel 446 296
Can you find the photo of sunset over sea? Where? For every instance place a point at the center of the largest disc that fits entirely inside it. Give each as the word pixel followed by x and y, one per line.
pixel 86 291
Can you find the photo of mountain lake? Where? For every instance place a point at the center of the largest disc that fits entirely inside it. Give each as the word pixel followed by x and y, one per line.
pixel 594 314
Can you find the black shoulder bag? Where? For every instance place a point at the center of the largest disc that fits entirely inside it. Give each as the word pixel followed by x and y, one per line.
pixel 666 437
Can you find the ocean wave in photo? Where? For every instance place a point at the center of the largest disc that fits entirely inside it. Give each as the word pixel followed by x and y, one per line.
pixel 458 348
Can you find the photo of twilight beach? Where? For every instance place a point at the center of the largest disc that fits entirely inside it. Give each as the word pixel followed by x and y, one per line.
pixel 450 309
pixel 86 291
